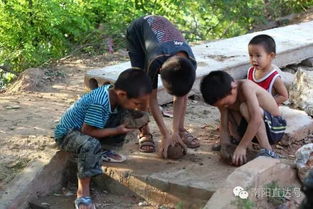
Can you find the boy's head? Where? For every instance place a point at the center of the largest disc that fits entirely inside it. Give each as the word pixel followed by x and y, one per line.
pixel 219 89
pixel 178 75
pixel 133 87
pixel 266 41
pixel 262 50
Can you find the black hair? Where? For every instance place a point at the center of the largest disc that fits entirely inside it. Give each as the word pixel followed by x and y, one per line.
pixel 178 75
pixel 216 85
pixel 266 41
pixel 134 82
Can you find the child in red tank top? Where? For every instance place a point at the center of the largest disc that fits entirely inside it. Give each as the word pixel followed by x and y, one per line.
pixel 262 50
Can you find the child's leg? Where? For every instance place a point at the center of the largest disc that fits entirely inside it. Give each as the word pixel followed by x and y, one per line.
pixel 88 151
pixel 187 138
pixel 83 189
pixel 234 119
pixel 133 45
pixel 261 134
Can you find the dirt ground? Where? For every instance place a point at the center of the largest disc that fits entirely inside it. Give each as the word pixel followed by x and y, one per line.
pixel 30 109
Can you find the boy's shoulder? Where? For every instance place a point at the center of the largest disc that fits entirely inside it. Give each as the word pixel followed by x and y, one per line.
pixel 99 94
pixel 249 87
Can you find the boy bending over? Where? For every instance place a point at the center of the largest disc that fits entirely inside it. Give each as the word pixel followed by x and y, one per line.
pixel 247 111
pixel 92 120
pixel 157 47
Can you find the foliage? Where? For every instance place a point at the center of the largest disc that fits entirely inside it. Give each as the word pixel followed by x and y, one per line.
pixel 276 194
pixel 243 203
pixel 180 205
pixel 33 32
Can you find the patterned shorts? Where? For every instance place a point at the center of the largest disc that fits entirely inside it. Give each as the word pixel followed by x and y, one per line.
pixel 88 152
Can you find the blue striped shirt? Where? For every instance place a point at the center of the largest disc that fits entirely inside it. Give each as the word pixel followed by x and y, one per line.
pixel 93 108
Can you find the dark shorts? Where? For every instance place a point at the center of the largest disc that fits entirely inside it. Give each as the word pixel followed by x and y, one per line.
pixel 275 127
pixel 135 44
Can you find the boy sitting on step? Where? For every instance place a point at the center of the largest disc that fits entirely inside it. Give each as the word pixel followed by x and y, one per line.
pixel 247 111
pixel 262 51
pixel 89 122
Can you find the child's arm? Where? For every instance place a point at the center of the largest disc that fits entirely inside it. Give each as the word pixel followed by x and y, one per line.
pixel 280 90
pixel 224 133
pixel 157 115
pixel 104 132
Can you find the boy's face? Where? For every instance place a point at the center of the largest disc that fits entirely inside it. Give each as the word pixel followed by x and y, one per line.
pixel 259 58
pixel 228 100
pixel 139 103
pixel 225 102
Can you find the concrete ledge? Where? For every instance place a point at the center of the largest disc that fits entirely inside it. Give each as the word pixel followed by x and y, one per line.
pixel 294 44
pixel 40 178
pixel 252 175
pixel 167 182
pixel 299 125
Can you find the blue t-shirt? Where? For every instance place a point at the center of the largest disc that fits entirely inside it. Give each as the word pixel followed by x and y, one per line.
pixel 93 109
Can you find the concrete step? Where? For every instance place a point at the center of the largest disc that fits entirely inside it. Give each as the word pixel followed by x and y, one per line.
pixel 294 44
pixel 190 181
pixel 254 177
pixel 299 125
pixel 40 178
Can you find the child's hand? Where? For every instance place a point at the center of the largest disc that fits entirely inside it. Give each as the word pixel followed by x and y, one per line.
pixel 239 156
pixel 121 129
pixel 170 140
pixel 165 143
pixel 178 140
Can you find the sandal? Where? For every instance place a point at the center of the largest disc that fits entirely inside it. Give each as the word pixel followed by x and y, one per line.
pixel 87 201
pixel 112 157
pixel 189 140
pixel 146 141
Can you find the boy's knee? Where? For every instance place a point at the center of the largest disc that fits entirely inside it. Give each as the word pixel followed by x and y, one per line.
pixel 91 146
pixel 243 109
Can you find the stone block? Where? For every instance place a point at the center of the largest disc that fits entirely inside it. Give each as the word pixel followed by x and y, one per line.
pixel 251 177
pixel 301 91
pixel 308 62
pixel 299 125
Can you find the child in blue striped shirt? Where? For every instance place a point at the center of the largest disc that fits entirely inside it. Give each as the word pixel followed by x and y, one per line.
pixel 88 122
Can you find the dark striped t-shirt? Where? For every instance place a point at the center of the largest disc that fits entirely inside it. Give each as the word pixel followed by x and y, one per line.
pixel 93 109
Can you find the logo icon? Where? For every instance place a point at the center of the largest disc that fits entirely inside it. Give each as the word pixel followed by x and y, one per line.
pixel 238 191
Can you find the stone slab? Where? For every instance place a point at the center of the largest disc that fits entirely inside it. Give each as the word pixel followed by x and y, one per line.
pixel 308 62
pixel 191 180
pixel 294 44
pixel 40 178
pixel 252 177
pixel 299 125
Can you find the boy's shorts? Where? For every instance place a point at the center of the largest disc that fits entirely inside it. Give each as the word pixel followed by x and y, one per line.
pixel 88 152
pixel 275 127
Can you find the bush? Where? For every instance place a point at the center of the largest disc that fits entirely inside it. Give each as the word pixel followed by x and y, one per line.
pixel 33 32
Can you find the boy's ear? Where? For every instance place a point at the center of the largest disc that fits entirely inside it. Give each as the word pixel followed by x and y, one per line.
pixel 234 84
pixel 273 55
pixel 121 94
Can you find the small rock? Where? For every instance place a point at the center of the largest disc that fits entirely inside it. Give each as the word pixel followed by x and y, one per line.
pixel 142 204
pixel 12 107
pixel 45 204
pixel 68 193
pixel 279 147
pixel 308 62
pixel 282 206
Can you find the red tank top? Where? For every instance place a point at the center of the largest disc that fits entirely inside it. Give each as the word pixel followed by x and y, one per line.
pixel 266 82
